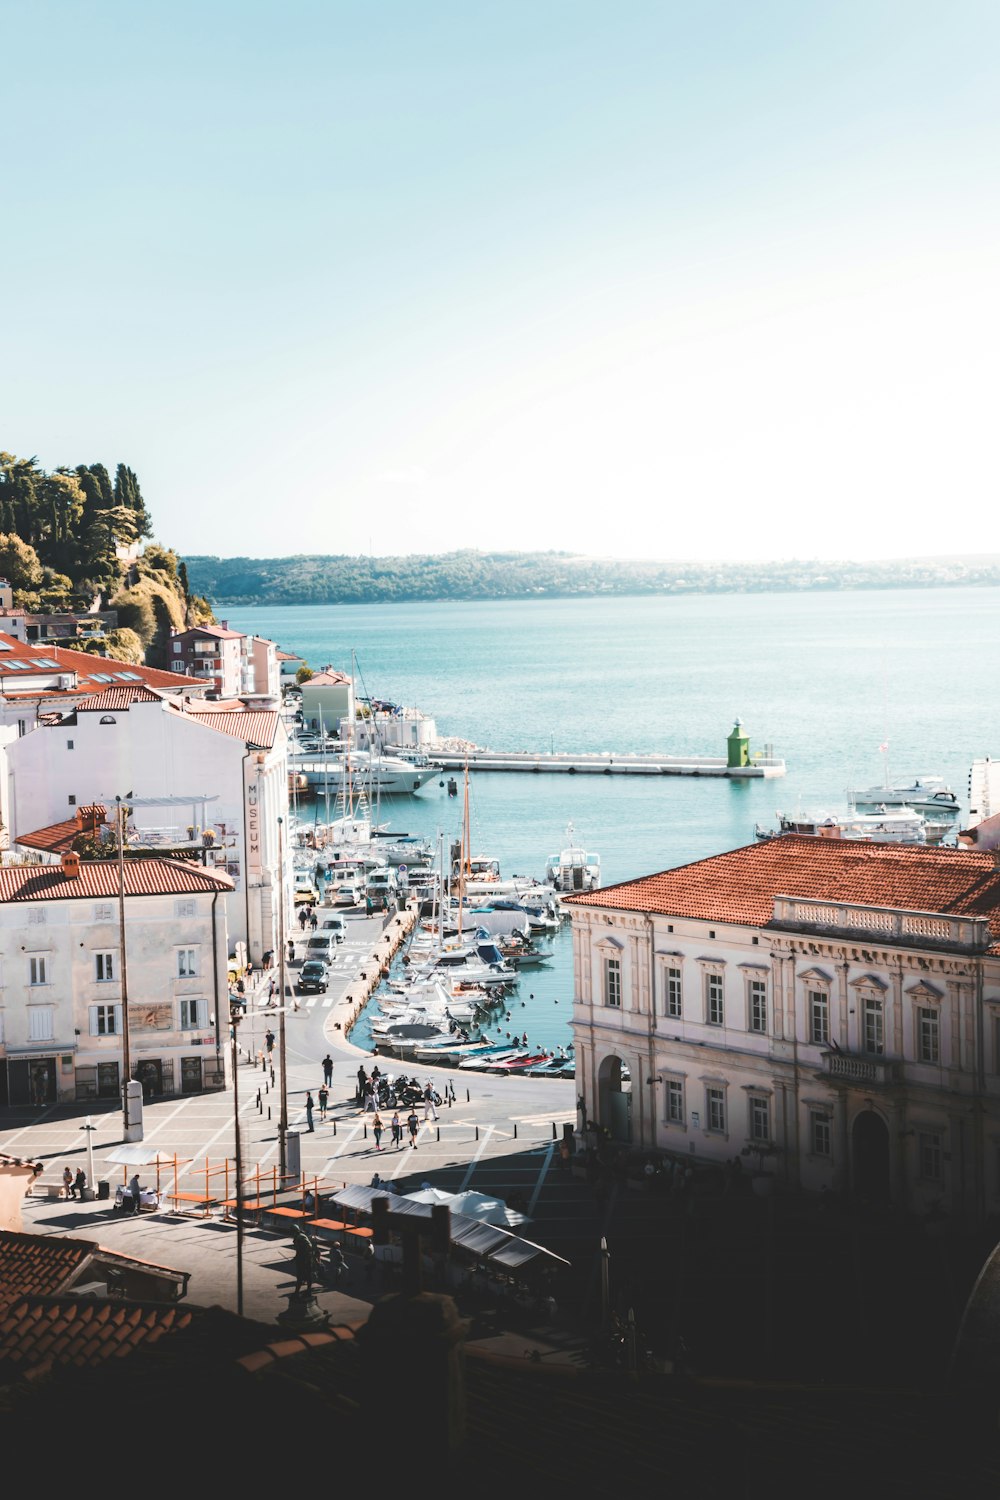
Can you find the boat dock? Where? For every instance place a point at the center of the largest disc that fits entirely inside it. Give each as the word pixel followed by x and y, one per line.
pixel 606 763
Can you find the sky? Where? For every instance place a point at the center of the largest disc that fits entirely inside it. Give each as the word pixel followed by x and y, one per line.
pixel 624 278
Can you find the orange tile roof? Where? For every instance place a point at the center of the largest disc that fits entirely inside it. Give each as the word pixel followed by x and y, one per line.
pixel 118 697
pixel 327 679
pixel 253 726
pixel 82 1331
pixel 85 665
pixel 740 886
pixel 98 879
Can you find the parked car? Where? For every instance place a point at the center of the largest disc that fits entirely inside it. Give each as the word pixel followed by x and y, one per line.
pixel 313 977
pixel 346 894
pixel 305 887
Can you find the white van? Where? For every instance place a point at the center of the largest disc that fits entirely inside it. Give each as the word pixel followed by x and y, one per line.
pixel 335 925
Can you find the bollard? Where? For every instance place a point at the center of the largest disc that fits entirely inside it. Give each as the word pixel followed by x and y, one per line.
pixel 477 1132
pixel 515 1130
pixel 268 1111
pixel 468 1096
pixel 439 1134
pixel 335 1127
pixel 553 1129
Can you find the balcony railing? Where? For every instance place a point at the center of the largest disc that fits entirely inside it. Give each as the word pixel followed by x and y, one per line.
pixel 852 1067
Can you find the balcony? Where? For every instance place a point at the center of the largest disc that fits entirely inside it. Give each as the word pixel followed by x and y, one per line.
pixel 860 1068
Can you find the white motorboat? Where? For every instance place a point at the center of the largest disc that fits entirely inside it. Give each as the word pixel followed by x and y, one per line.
pixel 924 793
pixel 380 775
pixel 902 825
pixel 573 869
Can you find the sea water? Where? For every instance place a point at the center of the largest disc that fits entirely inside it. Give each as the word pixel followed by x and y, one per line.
pixel 826 679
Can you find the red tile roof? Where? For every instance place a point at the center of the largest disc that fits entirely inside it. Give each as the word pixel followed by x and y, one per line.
pixel 98 880
pixel 44 1265
pixel 253 726
pixel 82 1331
pixel 118 698
pixel 86 666
pixel 740 886
pixel 327 679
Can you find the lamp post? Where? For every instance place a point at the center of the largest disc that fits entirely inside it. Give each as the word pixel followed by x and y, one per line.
pixel 283 1111
pixel 132 1127
pixel 90 1127
pixel 234 1020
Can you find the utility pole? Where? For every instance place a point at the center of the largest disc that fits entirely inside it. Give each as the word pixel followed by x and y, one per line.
pixel 283 1111
pixel 132 1130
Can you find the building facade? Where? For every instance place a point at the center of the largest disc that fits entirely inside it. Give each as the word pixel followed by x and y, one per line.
pixel 71 963
pixel 196 776
pixel 212 653
pixel 827 1009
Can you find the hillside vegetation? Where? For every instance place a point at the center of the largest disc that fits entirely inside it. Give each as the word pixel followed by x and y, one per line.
pixel 70 540
pixel 532 575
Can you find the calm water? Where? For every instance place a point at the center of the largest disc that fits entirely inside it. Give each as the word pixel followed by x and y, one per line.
pixel 823 678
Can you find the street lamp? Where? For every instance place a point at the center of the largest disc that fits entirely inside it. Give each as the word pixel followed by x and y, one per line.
pixel 283 1111
pixel 131 1104
pixel 234 1021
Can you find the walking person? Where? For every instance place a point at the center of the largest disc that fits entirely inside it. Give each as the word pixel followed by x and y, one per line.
pixel 309 1111
pixel 377 1128
pixel 68 1189
pixel 324 1099
pixel 328 1070
pixel 338 1264
pixel 413 1125
pixel 430 1113
pixel 362 1080
pixel 136 1192
pixel 269 1041
pixel 397 1130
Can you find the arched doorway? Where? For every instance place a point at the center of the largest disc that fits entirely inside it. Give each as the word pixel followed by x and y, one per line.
pixel 614 1099
pixel 870 1157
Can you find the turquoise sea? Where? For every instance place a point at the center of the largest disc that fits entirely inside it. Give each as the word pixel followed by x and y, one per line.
pixel 824 678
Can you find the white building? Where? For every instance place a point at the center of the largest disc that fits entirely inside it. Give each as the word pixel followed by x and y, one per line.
pixel 61 979
pixel 828 1009
pixel 208 776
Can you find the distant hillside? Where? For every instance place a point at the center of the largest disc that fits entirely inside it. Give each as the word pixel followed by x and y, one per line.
pixel 533 575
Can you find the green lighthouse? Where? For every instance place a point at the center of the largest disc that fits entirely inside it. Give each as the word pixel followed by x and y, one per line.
pixel 739 747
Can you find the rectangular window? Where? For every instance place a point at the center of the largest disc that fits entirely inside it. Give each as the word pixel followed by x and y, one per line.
pixel 819 1130
pixel 105 1020
pixel 40 1023
pixel 928 1035
pixel 819 1018
pixel 186 965
pixel 613 982
pixel 184 909
pixel 758 1006
pixel 929 1143
pixel 194 1015
pixel 675 1101
pixel 760 1119
pixel 105 912
pixel 672 992
pixel 715 1105
pixel 37 969
pixel 714 1009
pixel 873 1027
pixel 36 916
pixel 104 966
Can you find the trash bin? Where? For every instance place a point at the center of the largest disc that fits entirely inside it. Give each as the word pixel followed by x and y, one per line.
pixel 104 1188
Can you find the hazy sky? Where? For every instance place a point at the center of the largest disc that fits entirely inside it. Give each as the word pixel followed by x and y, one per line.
pixel 692 279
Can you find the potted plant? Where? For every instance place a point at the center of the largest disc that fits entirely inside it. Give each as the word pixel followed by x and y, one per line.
pixel 762 1183
pixel 208 838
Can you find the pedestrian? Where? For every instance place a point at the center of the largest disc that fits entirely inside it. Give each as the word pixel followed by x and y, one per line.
pixel 362 1080
pixel 136 1191
pixel 79 1183
pixel 272 990
pixel 412 1125
pixel 430 1113
pixel 328 1070
pixel 314 922
pixel 370 1101
pixel 377 1128
pixel 376 1181
pixel 309 1110
pixel 338 1264
pixel 397 1130
pixel 291 950
pixel 324 1099
pixel 68 1183
pixel 450 1090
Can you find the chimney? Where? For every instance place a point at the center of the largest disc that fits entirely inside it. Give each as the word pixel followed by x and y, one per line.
pixel 71 864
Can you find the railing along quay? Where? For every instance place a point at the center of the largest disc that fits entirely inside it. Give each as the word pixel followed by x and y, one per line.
pixel 605 764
